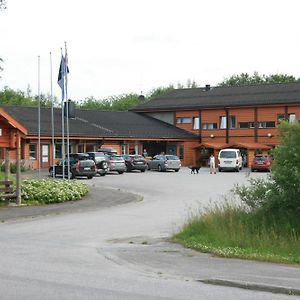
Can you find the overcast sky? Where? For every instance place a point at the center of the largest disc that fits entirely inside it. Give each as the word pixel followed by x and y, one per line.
pixel 123 46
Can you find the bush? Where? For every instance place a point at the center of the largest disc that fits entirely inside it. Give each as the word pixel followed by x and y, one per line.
pixel 280 193
pixel 13 168
pixel 228 230
pixel 52 191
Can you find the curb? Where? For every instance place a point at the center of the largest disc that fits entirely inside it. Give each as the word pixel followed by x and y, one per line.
pixel 253 286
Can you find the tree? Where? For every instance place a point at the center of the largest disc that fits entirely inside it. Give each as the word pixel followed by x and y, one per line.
pixel 256 78
pixel 10 97
pixel 280 193
pixel 2 4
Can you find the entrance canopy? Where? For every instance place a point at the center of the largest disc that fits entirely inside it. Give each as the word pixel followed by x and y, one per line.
pixel 218 146
pixel 252 146
pixel 212 145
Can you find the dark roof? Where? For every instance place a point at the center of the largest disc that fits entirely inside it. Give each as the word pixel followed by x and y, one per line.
pixel 97 124
pixel 247 95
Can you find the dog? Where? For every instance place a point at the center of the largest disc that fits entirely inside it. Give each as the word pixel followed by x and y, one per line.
pixel 194 169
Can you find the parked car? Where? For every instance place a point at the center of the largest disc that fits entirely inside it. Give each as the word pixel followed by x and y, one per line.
pixel 164 163
pixel 261 163
pixel 109 151
pixel 116 163
pixel 135 162
pixel 230 159
pixel 78 168
pixel 101 162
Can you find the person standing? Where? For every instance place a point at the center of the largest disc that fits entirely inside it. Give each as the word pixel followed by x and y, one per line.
pixel 212 164
pixel 145 154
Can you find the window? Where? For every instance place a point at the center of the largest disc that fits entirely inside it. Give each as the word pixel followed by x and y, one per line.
pixel 196 123
pixel 184 120
pixel 232 122
pixel 223 122
pixel 58 150
pixel 81 148
pixel 269 124
pixel 32 151
pixel 243 125
pixel 181 151
pixel 206 126
pixel 292 118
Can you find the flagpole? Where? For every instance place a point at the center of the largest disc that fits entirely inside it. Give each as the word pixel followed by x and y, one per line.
pixel 63 130
pixel 67 109
pixel 52 117
pixel 39 120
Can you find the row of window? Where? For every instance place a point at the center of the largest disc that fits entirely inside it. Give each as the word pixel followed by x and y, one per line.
pixel 232 122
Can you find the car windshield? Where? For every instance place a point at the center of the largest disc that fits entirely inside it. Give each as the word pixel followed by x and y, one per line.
pixel 99 154
pixel 172 157
pixel 137 156
pixel 261 158
pixel 228 154
pixel 86 163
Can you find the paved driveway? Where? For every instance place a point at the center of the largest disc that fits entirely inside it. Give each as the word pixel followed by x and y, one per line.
pixel 121 252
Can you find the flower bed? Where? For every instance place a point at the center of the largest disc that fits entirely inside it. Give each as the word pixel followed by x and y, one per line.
pixel 52 191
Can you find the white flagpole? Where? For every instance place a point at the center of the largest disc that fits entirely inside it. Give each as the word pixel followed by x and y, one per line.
pixel 52 117
pixel 67 109
pixel 63 131
pixel 39 120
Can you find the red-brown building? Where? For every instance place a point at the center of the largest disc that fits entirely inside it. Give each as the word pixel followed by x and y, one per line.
pixel 244 117
pixel 192 123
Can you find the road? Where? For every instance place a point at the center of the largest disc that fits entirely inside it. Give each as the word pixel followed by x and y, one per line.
pixel 122 251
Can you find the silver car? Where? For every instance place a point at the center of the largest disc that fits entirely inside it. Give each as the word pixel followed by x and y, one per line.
pixel 164 163
pixel 116 163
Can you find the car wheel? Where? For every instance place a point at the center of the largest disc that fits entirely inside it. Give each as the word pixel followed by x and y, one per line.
pixel 120 172
pixel 176 170
pixel 102 174
pixel 159 168
pixel 220 169
pixel 143 170
pixel 90 177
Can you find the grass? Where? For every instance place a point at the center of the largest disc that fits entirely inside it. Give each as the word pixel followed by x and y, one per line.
pixel 230 231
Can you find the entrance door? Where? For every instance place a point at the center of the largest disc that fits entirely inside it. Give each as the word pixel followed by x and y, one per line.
pixel 45 156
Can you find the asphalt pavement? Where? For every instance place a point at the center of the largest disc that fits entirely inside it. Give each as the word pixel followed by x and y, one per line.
pixel 157 255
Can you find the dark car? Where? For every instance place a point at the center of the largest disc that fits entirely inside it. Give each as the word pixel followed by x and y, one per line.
pixel 108 151
pixel 261 163
pixel 78 168
pixel 135 162
pixel 101 161
pixel 164 163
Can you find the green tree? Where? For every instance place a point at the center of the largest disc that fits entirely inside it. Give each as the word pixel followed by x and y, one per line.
pixel 280 193
pixel 113 103
pixel 157 92
pixel 10 97
pixel 286 167
pixel 256 78
pixel 2 4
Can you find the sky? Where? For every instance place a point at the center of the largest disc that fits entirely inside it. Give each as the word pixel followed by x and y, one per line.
pixel 132 46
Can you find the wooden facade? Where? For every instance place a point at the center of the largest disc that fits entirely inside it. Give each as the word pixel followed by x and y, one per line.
pixel 261 135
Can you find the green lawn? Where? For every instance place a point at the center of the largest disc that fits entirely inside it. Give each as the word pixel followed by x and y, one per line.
pixel 230 231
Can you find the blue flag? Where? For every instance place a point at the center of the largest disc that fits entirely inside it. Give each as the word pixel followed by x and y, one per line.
pixel 63 70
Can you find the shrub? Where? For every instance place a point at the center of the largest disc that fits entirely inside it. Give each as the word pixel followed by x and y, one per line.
pixel 52 191
pixel 280 193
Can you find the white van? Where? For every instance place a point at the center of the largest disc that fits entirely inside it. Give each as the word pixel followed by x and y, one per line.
pixel 230 159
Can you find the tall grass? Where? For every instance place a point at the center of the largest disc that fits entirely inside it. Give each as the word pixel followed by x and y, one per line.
pixel 230 231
